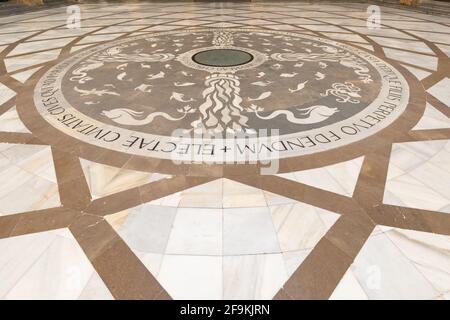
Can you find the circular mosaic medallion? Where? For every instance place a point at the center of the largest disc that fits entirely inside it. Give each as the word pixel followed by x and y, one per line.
pixel 254 94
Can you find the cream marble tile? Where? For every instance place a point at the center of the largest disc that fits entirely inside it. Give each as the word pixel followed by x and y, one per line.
pixel 117 220
pixel 276 199
pixel 104 180
pixel 403 44
pixel 208 195
pixel 418 73
pixel 248 231
pixel 368 47
pixel 28 60
pixel 298 226
pixel 61 32
pixel 5 93
pixel 8 38
pixel 224 25
pixel 253 276
pixel 346 37
pixel 196 231
pixel 25 75
pixel 169 201
pixel 80 47
pixel 237 195
pixel 441 90
pixel 444 48
pixel 10 122
pixel 339 178
pixel 192 277
pixel 282 27
pixel 385 273
pixel 417 59
pixel 49 44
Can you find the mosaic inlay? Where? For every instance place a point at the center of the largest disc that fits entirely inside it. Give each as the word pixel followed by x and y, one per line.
pixel 310 94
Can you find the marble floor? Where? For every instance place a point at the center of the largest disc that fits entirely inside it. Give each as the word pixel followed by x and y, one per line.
pixel 100 199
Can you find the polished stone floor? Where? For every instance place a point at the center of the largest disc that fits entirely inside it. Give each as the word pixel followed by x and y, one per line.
pixel 105 194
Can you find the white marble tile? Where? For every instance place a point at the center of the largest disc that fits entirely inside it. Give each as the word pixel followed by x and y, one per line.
pixel 432 119
pixel 18 255
pixel 8 38
pixel 418 176
pixel 253 276
pixel 192 277
pixel 429 253
pixel 441 159
pixel 196 231
pixel 418 73
pixel 41 193
pixel 441 91
pixel 431 36
pixel 47 265
pixel 10 122
pixel 385 273
pixel 293 259
pixel 152 261
pixel 248 231
pixel 147 228
pixel 348 289
pixel 95 290
pixel 29 60
pixel 318 178
pixel 434 177
pixel 27 169
pixel 5 93
pixel 25 75
pixel 40 163
pixel 407 191
pixel 444 48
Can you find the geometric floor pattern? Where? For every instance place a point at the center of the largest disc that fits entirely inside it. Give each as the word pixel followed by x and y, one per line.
pixel 368 222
